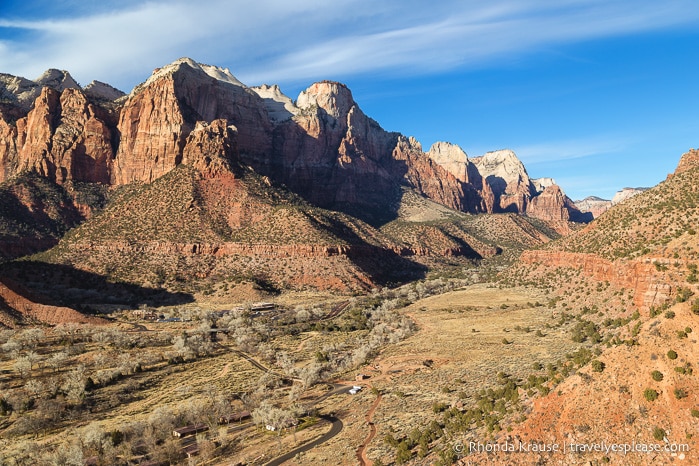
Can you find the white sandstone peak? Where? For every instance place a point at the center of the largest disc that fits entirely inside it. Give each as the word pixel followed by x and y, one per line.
pixel 220 74
pixel 279 106
pixel 333 97
pixel 103 91
pixel 451 157
pixel 542 183
pixel 57 79
pixel 503 163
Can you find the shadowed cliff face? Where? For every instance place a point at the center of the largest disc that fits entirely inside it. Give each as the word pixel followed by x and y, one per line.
pixel 65 286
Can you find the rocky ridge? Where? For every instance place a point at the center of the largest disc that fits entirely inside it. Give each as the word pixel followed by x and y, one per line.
pixel 644 250
pixel 321 146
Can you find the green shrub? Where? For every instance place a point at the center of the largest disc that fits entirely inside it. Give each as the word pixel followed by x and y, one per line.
pixel 671 354
pixel 683 294
pixel 658 433
pixel 657 376
pixel 597 365
pixel 680 393
pixel 650 395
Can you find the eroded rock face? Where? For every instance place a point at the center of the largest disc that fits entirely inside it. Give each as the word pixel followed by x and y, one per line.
pixel 16 299
pixel 507 178
pixel 64 137
pixel 211 147
pixel 331 152
pixel 549 205
pixel 689 159
pixel 452 158
pixel 626 193
pixel 640 276
pixel 553 205
pixel 161 113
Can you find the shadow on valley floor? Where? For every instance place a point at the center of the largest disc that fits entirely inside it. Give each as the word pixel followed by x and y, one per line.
pixel 63 285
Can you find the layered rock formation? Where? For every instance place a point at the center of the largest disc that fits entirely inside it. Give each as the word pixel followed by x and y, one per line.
pixel 63 137
pixel 322 146
pixel 553 205
pixel 596 206
pixel 508 179
pixel 626 193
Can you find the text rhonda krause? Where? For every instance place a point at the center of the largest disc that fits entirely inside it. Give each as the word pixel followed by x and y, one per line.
pixel 535 447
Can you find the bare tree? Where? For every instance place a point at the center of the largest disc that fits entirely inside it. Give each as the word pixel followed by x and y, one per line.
pixel 34 388
pixel 74 384
pixel 30 338
pixel 23 366
pixel 12 348
pixel 58 360
pixel 269 415
pixel 70 455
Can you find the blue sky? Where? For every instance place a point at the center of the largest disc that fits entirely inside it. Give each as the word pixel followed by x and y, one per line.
pixel 598 94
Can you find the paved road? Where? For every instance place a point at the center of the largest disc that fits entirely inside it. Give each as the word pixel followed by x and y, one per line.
pixel 335 429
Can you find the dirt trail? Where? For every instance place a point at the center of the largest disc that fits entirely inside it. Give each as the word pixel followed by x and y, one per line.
pixel 361 451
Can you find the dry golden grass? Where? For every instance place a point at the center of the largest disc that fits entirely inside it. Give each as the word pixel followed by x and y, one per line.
pixel 462 363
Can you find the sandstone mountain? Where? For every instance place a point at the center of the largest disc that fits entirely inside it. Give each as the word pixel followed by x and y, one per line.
pixel 321 146
pixel 596 206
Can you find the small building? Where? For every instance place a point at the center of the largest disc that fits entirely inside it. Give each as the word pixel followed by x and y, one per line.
pixel 235 417
pixel 355 389
pixel 262 307
pixel 361 377
pixel 191 450
pixel 145 314
pixel 192 429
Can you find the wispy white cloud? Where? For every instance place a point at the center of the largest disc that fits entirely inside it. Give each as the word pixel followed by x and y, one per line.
pixel 572 149
pixel 272 40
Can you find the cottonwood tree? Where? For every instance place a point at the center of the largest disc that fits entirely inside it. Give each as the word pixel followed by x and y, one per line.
pixel 161 422
pixel 310 374
pixel 12 348
pixel 70 455
pixel 70 332
pixel 74 385
pixel 30 338
pixel 58 360
pixel 23 366
pixel 34 388
pixel 33 358
pixel 269 415
pixel 93 438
